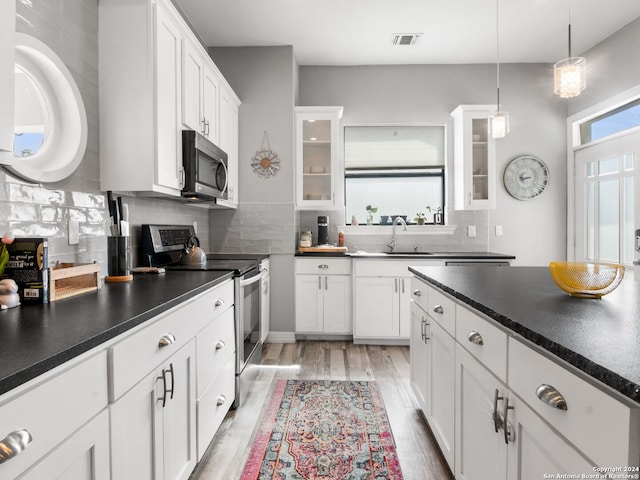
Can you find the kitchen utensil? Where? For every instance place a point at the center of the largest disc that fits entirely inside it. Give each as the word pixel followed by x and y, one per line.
pixel 585 279
pixel 193 254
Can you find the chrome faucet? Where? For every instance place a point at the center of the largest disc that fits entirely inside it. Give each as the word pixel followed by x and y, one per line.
pixel 392 243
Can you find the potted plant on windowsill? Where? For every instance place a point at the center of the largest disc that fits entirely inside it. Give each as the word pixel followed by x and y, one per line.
pixel 420 219
pixel 370 211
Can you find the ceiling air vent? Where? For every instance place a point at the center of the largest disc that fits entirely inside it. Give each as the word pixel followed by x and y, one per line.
pixel 405 38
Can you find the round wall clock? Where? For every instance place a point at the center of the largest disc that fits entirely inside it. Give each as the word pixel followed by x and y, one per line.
pixel 526 177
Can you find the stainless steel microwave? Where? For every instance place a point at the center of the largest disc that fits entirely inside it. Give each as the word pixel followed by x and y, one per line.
pixel 205 168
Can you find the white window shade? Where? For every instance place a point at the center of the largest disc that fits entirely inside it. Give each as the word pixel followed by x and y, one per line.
pixel 394 146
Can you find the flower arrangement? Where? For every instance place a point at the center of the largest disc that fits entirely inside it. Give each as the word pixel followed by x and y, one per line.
pixel 7 239
pixel 370 211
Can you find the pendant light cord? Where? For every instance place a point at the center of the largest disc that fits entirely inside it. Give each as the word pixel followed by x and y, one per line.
pixel 497 58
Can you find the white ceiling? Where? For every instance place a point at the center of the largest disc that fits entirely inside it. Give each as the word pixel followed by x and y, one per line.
pixel 359 32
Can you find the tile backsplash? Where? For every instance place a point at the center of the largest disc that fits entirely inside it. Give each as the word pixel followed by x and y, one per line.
pixel 70 29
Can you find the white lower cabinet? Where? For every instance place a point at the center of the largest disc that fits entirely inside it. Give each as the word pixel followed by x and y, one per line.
pixel 382 290
pixel 153 426
pixel 83 456
pixel 518 413
pixel 432 374
pixel 323 296
pixel 480 448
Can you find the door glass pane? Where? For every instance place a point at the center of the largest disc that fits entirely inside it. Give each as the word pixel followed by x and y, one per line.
pixel 610 165
pixel 591 221
pixel 480 178
pixel 609 214
pixel 629 215
pixel 316 159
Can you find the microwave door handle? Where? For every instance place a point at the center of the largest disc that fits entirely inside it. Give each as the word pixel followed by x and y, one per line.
pixel 251 280
pixel 226 177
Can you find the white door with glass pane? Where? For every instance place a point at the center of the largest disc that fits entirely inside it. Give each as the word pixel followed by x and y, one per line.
pixel 607 184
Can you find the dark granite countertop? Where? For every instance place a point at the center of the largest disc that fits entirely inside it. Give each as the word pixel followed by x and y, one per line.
pixel 424 255
pixel 37 338
pixel 600 337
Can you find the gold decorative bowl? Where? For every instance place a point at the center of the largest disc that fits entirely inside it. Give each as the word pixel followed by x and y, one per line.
pixel 587 280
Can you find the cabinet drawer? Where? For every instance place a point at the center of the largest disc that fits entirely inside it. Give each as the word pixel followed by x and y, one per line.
pixel 390 267
pixel 605 429
pixel 419 293
pixel 442 309
pixel 471 330
pixel 323 266
pixel 215 345
pixel 53 410
pixel 214 404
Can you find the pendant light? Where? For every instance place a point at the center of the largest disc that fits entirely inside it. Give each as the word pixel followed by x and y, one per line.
pixel 499 121
pixel 570 74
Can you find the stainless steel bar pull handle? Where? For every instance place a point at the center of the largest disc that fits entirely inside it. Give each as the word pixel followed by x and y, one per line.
pixel 326 283
pixel 14 444
pixel 475 338
pixel 396 282
pixel 497 421
pixel 417 293
pixel 438 309
pixel 552 397
pixel 509 433
pixel 403 285
pixel 218 303
pixel 166 339
pixel 221 400
pixel 220 344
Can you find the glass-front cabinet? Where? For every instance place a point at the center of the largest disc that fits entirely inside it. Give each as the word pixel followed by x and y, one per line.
pixel 474 158
pixel 318 168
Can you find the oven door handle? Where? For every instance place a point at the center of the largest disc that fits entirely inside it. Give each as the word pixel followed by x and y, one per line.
pixel 251 280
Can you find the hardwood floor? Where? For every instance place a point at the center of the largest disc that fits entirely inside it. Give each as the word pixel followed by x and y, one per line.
pixel 419 456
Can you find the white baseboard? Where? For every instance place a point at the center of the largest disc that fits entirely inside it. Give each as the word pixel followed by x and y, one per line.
pixel 281 337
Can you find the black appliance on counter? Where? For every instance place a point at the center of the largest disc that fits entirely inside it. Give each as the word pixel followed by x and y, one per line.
pixel 323 230
pixel 163 246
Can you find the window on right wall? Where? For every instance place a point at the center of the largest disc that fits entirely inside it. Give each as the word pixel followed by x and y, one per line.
pixel 399 170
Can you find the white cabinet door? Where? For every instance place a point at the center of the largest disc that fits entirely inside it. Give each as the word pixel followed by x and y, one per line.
pixel 404 317
pixel 136 431
pixel 337 304
pixel 192 79
pixel 228 138
pixel 7 62
pixel 539 450
pixel 474 158
pixel 210 103
pixel 480 451
pixel 377 307
pixel 420 358
pixel 309 299
pixel 441 401
pixel 168 93
pixel 83 456
pixel 153 424
pixel 179 415
pixel 318 169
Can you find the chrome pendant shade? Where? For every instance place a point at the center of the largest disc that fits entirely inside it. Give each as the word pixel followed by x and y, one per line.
pixel 499 121
pixel 570 74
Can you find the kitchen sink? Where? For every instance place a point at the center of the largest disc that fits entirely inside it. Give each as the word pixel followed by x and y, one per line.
pixel 411 252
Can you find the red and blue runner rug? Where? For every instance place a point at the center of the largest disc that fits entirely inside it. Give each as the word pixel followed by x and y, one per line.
pixel 324 430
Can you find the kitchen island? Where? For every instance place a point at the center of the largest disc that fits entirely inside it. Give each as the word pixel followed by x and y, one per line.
pixel 517 379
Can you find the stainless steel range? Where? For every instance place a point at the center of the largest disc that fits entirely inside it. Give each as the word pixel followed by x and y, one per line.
pixel 163 246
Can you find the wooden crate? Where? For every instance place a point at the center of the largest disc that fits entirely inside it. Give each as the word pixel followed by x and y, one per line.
pixel 69 279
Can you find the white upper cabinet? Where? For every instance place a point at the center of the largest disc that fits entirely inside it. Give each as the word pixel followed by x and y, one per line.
pixel 7 59
pixel 155 81
pixel 140 90
pixel 229 106
pixel 473 158
pixel 200 92
pixel 318 169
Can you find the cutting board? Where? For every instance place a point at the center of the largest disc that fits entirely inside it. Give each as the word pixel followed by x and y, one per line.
pixel 327 249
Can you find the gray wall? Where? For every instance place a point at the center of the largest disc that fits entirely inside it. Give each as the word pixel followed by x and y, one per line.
pixel 612 67
pixel 533 231
pixel 70 28
pixel 265 79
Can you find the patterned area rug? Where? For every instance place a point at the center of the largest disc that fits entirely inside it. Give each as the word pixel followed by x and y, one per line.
pixel 326 430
